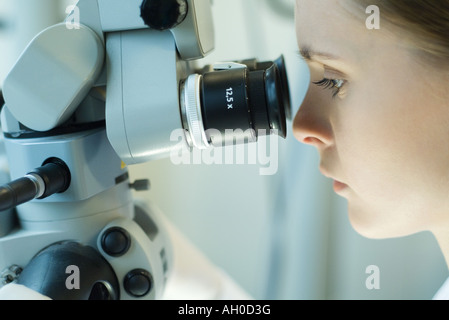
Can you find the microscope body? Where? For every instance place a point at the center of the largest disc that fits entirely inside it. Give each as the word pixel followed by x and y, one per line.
pixel 90 96
pixel 90 93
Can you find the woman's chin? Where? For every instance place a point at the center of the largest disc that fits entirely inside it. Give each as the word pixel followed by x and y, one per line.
pixel 371 226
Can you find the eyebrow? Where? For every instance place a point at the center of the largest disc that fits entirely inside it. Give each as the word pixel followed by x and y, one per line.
pixel 309 54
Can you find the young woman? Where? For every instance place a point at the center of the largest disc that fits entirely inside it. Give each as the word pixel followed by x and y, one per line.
pixel 377 110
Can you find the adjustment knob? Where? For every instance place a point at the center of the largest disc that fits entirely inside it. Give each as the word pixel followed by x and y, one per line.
pixel 163 14
pixel 138 282
pixel 116 241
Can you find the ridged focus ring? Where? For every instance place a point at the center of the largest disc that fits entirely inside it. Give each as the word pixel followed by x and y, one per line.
pixel 192 112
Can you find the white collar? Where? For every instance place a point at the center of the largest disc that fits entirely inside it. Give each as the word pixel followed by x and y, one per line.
pixel 443 292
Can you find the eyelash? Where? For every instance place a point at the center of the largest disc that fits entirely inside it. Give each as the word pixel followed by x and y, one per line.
pixel 335 84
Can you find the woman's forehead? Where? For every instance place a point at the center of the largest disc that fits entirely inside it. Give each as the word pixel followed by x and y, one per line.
pixel 337 28
pixel 325 27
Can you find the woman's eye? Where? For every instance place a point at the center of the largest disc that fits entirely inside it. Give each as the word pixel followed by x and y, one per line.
pixel 334 84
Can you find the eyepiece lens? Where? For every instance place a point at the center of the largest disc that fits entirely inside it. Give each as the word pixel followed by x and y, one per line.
pixel 243 102
pixel 280 63
pixel 275 102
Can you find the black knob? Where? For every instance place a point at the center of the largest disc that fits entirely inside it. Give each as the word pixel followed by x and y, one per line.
pixel 163 14
pixel 138 282
pixel 116 241
pixel 140 185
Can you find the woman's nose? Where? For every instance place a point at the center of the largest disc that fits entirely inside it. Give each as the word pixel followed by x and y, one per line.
pixel 311 124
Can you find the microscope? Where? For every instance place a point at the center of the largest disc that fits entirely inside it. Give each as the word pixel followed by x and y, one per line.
pixel 88 98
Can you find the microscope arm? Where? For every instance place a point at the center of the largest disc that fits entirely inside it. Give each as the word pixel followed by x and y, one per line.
pixel 142 70
pixel 194 36
pixel 62 63
pixel 53 75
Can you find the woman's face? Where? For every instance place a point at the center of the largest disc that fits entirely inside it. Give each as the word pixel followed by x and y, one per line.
pixel 379 120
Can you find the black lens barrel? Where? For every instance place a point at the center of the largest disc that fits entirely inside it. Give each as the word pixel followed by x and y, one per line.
pixel 242 103
pixel 275 101
pixel 258 100
pixel 225 105
pixel 280 64
pixel 254 65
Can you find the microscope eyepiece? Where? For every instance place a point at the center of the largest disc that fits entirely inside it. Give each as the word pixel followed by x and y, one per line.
pixel 235 102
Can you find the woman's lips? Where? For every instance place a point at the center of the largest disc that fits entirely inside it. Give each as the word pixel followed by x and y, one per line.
pixel 339 186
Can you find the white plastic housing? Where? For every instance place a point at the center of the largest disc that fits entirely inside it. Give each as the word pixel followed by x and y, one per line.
pixel 195 36
pixel 53 75
pixel 151 249
pixel 142 103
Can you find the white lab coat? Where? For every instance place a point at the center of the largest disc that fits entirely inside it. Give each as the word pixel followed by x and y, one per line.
pixel 443 292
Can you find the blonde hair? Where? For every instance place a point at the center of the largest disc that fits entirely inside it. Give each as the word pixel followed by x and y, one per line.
pixel 425 21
